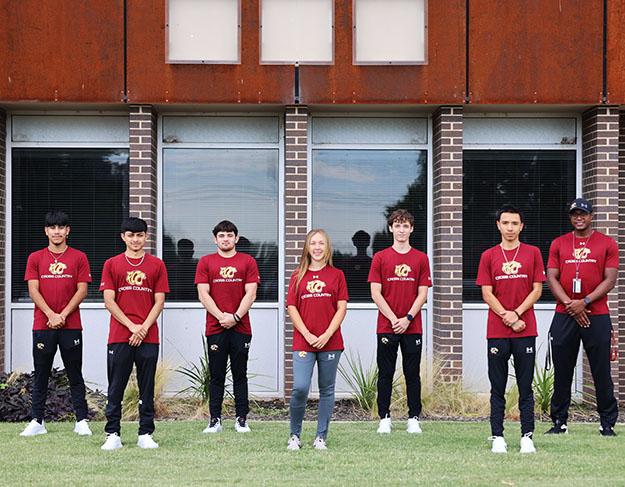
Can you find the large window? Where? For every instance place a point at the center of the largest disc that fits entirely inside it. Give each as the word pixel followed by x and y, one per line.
pixel 539 182
pixel 90 185
pixel 201 187
pixel 355 188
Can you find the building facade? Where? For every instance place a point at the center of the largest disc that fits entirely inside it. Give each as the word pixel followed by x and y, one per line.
pixel 328 113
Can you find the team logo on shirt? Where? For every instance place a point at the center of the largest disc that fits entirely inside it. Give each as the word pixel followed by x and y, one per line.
pixel 57 268
pixel 227 272
pixel 402 270
pixel 581 253
pixel 135 278
pixel 511 267
pixel 315 286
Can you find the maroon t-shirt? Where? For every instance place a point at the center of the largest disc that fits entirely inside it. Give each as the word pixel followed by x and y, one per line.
pixel 400 276
pixel 512 279
pixel 58 283
pixel 134 282
pixel 227 277
pixel 316 300
pixel 590 256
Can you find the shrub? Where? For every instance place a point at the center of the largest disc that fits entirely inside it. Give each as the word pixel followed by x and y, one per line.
pixel 130 408
pixel 15 397
pixel 363 382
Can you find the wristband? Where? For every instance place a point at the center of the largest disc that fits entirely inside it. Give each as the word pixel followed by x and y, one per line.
pixel 512 326
pixel 409 317
pixel 517 313
pixel 587 300
pixel 237 318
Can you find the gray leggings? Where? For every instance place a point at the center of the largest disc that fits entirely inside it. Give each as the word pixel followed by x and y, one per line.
pixel 303 363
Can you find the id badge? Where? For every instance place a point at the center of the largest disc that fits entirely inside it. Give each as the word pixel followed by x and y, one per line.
pixel 577 285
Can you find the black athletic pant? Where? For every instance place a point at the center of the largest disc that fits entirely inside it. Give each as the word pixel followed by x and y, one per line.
pixel 410 344
pixel 120 359
pixel 565 337
pixel 237 346
pixel 45 343
pixel 523 349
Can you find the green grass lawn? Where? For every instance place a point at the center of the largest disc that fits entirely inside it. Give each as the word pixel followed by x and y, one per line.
pixel 452 453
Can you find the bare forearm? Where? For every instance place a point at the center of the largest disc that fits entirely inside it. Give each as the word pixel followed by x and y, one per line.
pixel 530 300
pixel 118 314
pixel 246 303
pixel 77 298
pixel 297 320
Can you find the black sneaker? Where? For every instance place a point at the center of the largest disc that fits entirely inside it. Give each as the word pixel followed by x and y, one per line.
pixel 607 431
pixel 558 428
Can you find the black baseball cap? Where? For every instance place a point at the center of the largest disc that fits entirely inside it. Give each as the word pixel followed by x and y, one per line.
pixel 581 204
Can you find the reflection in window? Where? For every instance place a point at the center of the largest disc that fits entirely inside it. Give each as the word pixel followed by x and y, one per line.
pixel 539 183
pixel 201 187
pixel 90 185
pixel 354 192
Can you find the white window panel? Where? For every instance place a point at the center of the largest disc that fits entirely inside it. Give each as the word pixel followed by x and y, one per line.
pixel 297 31
pixel 70 128
pixel 392 31
pixel 262 130
pixel 203 31
pixel 366 131
pixel 519 131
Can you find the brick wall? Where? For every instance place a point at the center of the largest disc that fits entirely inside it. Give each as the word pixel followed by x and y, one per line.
pixel 621 240
pixel 296 192
pixel 447 239
pixel 600 185
pixel 3 214
pixel 142 180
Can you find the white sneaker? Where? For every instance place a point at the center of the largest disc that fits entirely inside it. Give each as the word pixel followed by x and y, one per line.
pixel 146 441
pixel 241 426
pixel 82 428
pixel 414 426
pixel 319 444
pixel 113 442
pixel 214 426
pixel 385 425
pixel 527 445
pixel 34 428
pixel 499 444
pixel 294 443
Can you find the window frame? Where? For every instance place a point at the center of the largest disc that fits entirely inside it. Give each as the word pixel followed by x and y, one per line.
pixel 279 145
pixel 519 147
pixel 429 200
pixel 10 145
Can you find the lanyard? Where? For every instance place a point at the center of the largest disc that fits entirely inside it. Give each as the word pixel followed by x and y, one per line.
pixel 577 264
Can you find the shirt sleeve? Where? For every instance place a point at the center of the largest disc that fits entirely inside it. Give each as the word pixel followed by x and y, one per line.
pixel 484 276
pixel 162 282
pixel 425 278
pixel 539 268
pixel 201 272
pixel 375 274
pixel 292 298
pixel 342 294
pixel 252 275
pixel 611 259
pixel 32 273
pixel 107 277
pixel 554 255
pixel 84 271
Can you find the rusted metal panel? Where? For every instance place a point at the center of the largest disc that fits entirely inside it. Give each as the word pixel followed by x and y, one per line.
pixel 65 51
pixel 439 81
pixel 151 80
pixel 616 53
pixel 536 51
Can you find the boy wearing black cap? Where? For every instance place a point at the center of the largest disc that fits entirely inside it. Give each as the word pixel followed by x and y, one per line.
pixel 581 270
